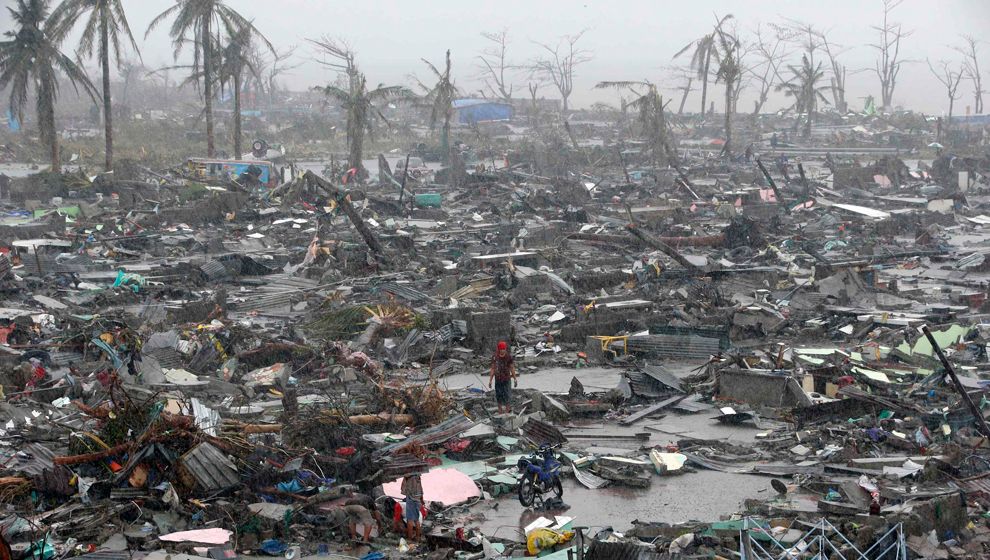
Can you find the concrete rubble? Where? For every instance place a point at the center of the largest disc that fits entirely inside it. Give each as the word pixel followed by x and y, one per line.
pixel 788 349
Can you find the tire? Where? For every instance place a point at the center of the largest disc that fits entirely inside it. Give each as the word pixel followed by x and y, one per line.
pixel 527 492
pixel 558 488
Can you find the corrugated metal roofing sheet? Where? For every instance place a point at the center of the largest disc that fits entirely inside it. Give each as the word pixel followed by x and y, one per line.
pixel 207 419
pixel 5 266
pixel 590 479
pixel 404 292
pixel 976 486
pixel 644 386
pixel 215 270
pixel 431 436
pixel 601 550
pixel 32 459
pixel 541 433
pixel 663 376
pixel 402 465
pixel 674 346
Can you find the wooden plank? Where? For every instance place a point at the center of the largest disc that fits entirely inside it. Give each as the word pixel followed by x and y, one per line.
pixel 650 410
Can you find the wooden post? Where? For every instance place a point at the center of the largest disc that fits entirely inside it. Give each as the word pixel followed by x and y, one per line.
pixel 981 423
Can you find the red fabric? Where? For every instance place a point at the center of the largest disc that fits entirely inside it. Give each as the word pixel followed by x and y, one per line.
pixel 502 345
pixel 397 512
pixel 457 445
pixel 5 332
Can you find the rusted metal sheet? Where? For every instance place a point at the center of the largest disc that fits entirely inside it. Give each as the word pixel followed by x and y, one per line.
pixel 541 433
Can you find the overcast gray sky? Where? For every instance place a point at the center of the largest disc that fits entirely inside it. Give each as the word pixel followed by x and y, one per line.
pixel 630 39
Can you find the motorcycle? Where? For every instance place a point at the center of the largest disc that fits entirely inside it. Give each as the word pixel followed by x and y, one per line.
pixel 540 474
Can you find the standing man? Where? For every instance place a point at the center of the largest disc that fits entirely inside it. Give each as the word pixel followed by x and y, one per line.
pixel 503 373
pixel 412 489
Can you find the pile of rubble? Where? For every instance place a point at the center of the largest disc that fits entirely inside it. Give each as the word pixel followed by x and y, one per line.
pixel 218 366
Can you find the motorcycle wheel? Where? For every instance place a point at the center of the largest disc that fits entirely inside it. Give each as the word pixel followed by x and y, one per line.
pixel 558 488
pixel 527 492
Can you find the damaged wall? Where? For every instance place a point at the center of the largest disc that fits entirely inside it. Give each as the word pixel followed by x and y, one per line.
pixel 761 389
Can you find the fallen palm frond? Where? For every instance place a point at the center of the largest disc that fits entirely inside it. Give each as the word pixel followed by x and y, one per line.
pixel 391 316
pixel 339 324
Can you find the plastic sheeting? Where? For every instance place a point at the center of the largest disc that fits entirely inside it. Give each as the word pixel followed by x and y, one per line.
pixel 447 486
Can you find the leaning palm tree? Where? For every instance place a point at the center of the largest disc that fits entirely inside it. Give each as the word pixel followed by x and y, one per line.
pixel 803 87
pixel 353 96
pixel 196 21
pixel 704 49
pixel 440 100
pixel 652 118
pixel 107 23
pixel 30 57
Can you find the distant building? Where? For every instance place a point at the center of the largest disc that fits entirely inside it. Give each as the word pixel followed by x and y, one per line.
pixel 543 105
pixel 471 111
pixel 972 120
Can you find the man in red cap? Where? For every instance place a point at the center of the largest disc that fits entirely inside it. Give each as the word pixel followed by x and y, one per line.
pixel 503 373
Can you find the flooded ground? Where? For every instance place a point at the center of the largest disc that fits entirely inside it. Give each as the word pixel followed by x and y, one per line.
pixel 694 495
pixel 702 495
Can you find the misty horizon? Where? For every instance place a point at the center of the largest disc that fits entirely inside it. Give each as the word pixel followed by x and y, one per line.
pixel 627 41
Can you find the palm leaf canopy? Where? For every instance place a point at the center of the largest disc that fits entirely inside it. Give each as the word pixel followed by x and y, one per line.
pixel 30 57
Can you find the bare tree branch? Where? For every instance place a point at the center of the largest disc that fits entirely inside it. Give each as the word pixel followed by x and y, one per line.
pixel 558 63
pixel 888 64
pixel 971 67
pixel 771 50
pixel 493 65
pixel 949 79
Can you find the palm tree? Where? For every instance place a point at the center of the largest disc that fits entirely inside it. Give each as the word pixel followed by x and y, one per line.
pixel 803 87
pixel 440 100
pixel 106 21
pixel 652 118
pixel 729 71
pixel 704 49
pixel 31 57
pixel 353 96
pixel 235 59
pixel 196 21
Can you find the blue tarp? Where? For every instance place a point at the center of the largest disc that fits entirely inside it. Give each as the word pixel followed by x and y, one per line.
pixel 471 111
pixel 12 122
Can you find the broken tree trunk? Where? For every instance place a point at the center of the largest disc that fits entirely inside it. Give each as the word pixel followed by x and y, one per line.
pixel 981 423
pixel 651 241
pixel 345 204
pixel 90 457
pixel 773 184
pixel 804 179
